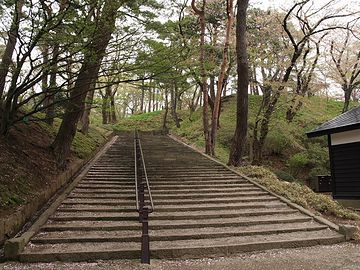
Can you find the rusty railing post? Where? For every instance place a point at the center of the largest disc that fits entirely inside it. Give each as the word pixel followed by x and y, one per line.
pixel 145 239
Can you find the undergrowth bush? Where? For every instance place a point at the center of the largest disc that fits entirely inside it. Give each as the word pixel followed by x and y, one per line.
pixel 283 175
pixel 298 193
pixel 298 162
pixel 315 160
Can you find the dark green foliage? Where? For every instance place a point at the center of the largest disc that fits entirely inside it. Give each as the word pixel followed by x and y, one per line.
pixel 298 162
pixel 283 175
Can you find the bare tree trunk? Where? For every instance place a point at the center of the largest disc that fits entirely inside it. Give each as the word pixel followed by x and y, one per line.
pixel 157 101
pixel 85 118
pixel 173 99
pixel 142 101
pixel 10 46
pixel 52 89
pixel 149 101
pixel 44 80
pixel 212 92
pixel 112 108
pixel 87 74
pixel 153 99
pixel 204 85
pixel 194 102
pixel 222 76
pixel 347 97
pixel 239 139
pixel 50 110
pixel 164 125
pixel 105 105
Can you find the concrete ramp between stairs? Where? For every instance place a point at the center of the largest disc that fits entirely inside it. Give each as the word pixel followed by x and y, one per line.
pixel 201 209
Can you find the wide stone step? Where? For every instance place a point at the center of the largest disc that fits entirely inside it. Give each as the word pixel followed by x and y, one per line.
pixel 194 176
pixel 130 201
pixel 110 178
pixel 92 208
pixel 190 182
pixel 109 194
pixel 237 191
pixel 110 181
pixel 204 170
pixel 173 224
pixel 204 195
pixel 86 215
pixel 171 235
pixel 174 208
pixel 169 186
pixel 168 189
pixel 164 249
pixel 93 193
pixel 97 186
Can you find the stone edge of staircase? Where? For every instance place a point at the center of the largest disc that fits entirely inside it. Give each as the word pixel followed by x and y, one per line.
pixel 346 230
pixel 14 246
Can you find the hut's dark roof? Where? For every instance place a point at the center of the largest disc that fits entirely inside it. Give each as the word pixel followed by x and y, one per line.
pixel 347 121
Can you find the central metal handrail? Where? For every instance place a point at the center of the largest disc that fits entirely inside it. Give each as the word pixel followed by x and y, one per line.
pixel 138 150
pixel 142 183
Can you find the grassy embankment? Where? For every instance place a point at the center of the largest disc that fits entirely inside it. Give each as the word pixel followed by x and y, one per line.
pixel 27 165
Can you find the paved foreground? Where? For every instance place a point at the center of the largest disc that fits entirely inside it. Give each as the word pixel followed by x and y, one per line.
pixel 340 257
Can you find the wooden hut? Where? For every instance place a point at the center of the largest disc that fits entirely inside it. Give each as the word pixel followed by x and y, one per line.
pixel 343 133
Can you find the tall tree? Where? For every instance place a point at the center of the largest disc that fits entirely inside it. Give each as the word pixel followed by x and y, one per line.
pixel 312 23
pixel 222 76
pixel 10 45
pixel 239 139
pixel 87 74
pixel 204 86
pixel 53 73
pixel 347 67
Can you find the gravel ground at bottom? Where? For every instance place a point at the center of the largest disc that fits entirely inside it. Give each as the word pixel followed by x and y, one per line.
pixel 342 256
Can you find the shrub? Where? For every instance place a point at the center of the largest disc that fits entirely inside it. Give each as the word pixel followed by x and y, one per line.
pixel 298 162
pixel 298 193
pixel 283 175
pixel 276 143
pixel 318 156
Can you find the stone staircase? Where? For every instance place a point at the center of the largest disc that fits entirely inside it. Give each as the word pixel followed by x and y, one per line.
pixel 201 209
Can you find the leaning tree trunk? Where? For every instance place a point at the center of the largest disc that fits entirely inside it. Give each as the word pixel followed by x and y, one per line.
pixel 10 46
pixel 239 139
pixel 88 72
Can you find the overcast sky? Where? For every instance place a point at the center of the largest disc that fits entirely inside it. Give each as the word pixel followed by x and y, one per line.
pixel 265 4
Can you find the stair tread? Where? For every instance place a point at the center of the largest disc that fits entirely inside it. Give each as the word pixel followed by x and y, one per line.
pixel 183 244
pixel 273 218
pixel 309 225
pixel 180 213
